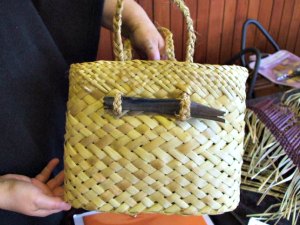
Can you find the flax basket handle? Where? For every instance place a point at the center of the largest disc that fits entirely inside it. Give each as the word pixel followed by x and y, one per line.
pixel 118 47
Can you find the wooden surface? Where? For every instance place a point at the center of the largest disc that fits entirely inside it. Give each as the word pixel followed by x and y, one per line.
pixel 219 24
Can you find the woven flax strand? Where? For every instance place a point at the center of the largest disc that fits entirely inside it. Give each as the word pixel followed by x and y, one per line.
pixel 147 162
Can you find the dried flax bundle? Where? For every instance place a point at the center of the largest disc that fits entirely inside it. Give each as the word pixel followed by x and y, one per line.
pixel 272 155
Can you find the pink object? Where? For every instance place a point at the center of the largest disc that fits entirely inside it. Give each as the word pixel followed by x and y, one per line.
pixel 278 64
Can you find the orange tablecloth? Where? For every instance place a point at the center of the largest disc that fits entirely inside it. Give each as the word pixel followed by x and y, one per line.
pixel 142 219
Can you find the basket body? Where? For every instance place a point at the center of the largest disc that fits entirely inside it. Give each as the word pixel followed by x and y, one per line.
pixel 147 162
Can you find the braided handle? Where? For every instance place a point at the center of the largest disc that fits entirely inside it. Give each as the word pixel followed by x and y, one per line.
pixel 168 36
pixel 118 48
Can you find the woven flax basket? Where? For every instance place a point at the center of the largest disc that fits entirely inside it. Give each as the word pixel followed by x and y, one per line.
pixel 147 162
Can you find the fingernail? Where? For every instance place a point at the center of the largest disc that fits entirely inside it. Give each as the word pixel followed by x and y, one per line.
pixel 154 56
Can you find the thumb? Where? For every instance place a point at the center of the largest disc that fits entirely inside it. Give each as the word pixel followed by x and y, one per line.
pixel 51 203
pixel 16 177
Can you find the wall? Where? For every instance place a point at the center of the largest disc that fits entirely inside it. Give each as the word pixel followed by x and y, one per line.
pixel 219 23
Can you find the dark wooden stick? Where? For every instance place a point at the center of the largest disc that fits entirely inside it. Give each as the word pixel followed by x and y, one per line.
pixel 165 106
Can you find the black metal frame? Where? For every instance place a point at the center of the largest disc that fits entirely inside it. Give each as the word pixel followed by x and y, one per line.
pixel 244 50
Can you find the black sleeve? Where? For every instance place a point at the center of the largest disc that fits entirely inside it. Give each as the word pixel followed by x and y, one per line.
pixel 74 26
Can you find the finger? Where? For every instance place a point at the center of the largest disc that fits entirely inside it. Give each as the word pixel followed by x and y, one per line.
pixel 16 177
pixel 163 56
pixel 150 48
pixel 162 49
pixel 56 181
pixel 43 212
pixel 45 202
pixel 42 186
pixel 46 172
pixel 58 192
pixel 152 53
pixel 156 50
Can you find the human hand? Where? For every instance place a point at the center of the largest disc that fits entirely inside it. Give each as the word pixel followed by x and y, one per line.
pixel 138 27
pixel 147 40
pixel 37 196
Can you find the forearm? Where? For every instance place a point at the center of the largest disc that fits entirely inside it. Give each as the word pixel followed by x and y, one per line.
pixel 133 15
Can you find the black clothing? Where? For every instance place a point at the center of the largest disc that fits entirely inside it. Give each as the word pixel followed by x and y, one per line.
pixel 74 26
pixel 38 42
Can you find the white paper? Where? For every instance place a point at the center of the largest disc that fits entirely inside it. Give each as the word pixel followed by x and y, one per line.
pixel 208 220
pixel 254 221
pixel 78 218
